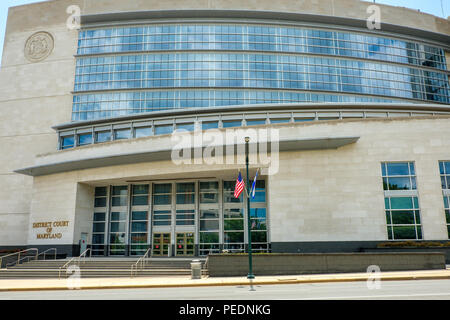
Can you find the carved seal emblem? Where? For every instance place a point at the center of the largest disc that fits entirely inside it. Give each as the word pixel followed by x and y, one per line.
pixel 39 46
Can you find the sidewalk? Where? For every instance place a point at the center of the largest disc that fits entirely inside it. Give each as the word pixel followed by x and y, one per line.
pixel 183 281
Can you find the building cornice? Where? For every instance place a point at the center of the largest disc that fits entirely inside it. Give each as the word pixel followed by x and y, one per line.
pixel 259 107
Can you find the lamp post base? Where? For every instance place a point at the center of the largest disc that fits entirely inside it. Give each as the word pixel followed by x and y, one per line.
pixel 250 276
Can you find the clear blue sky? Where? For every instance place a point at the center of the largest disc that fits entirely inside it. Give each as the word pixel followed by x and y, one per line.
pixel 429 6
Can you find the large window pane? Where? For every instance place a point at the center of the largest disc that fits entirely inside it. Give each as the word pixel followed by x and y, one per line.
pixel 166 129
pixel 231 124
pixel 120 191
pixel 404 232
pixel 401 203
pixel 399 184
pixel 398 169
pixel 259 236
pixel 140 200
pixel 119 201
pixel 258 212
pixel 233 213
pixel 84 139
pixel 209 237
pixel 206 225
pixel 100 191
pixel 99 227
pixel 403 217
pixel 233 237
pixel 139 226
pixel 140 189
pixel 117 227
pixel 103 136
pixel 209 214
pixel 143 132
pixel 233 225
pixel 100 202
pixel 139 215
pixel 139 238
pixel 67 142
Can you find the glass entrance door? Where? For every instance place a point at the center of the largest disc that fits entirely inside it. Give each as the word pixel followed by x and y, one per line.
pixel 161 243
pixel 118 221
pixel 185 244
pixel 185 216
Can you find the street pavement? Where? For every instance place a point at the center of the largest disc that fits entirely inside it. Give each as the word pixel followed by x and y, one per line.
pixel 10 285
pixel 387 290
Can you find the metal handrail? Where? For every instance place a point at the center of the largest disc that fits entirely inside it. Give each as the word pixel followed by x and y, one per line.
pixel 18 255
pixel 45 252
pixel 141 261
pixel 84 254
pixel 66 265
pixel 30 257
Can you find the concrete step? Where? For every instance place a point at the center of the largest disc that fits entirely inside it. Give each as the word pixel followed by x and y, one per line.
pixel 99 268
pixel 103 264
pixel 94 273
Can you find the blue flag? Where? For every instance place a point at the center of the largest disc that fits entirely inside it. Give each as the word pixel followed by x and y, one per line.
pixel 254 185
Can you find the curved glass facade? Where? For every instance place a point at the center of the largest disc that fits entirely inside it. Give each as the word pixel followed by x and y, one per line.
pixel 258 38
pixel 113 104
pixel 304 70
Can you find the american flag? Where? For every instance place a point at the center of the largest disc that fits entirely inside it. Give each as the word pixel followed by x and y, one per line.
pixel 239 186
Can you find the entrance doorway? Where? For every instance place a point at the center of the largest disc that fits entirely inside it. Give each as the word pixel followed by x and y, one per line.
pixel 161 243
pixel 185 244
pixel 83 242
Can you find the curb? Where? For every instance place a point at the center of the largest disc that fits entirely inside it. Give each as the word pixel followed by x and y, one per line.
pixel 237 283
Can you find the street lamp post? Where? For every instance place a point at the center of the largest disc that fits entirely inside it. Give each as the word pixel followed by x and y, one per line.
pixel 249 224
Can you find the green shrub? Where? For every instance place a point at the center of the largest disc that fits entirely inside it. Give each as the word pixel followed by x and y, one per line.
pixel 413 244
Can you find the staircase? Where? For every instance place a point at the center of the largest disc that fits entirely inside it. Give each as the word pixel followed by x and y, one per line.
pixel 102 268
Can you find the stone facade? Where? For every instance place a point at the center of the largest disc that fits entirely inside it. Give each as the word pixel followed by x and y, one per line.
pixel 338 193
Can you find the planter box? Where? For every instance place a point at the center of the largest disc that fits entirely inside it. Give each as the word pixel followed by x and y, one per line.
pixel 225 265
pixel 444 250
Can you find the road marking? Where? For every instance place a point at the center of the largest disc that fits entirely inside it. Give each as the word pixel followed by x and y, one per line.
pixel 380 296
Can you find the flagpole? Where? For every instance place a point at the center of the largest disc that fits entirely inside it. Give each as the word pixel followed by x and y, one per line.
pixel 250 262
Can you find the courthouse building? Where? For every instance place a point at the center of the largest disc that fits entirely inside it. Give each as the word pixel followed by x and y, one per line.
pixel 88 114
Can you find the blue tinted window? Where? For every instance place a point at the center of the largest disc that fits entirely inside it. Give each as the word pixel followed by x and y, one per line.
pixel 230 124
pixel 268 71
pixel 279 120
pixel 210 125
pixel 303 119
pixel 122 134
pixel 255 122
pixel 397 169
pixel 84 139
pixel 401 203
pixel 103 136
pixel 164 129
pixel 447 167
pixel 142 132
pixel 185 127
pixel 67 142
pixel 258 212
